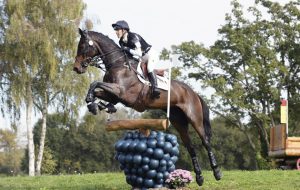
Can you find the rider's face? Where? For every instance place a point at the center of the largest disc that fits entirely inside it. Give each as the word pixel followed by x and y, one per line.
pixel 120 32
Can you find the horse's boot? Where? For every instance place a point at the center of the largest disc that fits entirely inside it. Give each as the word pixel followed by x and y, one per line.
pixel 89 97
pixel 110 108
pixel 93 107
pixel 154 90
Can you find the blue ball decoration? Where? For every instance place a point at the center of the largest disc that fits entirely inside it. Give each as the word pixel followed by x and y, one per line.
pixel 151 143
pixel 168 147
pixel 118 145
pixel 154 164
pixel 149 151
pixel 137 159
pixel 159 175
pixel 141 147
pixel 145 168
pixel 147 161
pixel 158 153
pixel 160 144
pixel 139 181
pixel 151 174
pixel 162 163
pixel 128 158
pixel 148 183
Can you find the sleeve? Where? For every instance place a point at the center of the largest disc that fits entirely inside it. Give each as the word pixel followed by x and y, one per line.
pixel 138 47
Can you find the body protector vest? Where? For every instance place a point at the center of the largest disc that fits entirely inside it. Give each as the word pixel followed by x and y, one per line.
pixel 138 46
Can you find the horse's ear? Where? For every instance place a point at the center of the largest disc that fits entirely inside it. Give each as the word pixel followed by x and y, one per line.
pixel 83 33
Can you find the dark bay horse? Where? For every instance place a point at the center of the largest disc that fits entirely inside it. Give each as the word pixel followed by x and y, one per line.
pixel 120 84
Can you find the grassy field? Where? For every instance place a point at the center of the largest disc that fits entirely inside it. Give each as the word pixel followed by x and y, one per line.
pixel 260 180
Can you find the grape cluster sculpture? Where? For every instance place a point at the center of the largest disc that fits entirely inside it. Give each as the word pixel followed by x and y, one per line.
pixel 147 161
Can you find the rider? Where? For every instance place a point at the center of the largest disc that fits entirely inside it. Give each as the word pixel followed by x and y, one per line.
pixel 135 46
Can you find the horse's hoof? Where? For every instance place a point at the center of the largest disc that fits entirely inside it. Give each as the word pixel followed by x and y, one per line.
pixel 111 108
pixel 199 180
pixel 89 98
pixel 217 174
pixel 93 108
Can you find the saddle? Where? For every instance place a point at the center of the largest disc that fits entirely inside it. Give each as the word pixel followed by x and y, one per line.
pixel 159 72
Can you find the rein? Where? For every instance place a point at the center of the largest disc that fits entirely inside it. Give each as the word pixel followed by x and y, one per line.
pixel 97 58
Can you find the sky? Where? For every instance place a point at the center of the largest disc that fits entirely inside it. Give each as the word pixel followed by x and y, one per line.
pixel 161 23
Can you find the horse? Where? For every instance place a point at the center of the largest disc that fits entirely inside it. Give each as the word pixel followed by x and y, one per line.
pixel 121 84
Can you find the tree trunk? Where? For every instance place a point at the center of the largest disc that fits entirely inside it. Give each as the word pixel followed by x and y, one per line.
pixel 29 105
pixel 43 135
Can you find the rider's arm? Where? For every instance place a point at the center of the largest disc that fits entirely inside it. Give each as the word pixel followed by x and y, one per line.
pixel 137 51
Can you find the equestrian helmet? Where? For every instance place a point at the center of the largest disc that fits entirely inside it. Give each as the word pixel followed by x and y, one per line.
pixel 121 24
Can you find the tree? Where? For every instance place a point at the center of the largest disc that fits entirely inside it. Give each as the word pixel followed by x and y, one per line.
pixel 10 153
pixel 249 66
pixel 38 40
pixel 79 147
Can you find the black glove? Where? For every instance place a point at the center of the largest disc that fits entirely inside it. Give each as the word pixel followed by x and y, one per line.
pixel 126 49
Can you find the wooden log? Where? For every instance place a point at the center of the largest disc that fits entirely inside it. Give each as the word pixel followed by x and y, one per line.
pixel 132 124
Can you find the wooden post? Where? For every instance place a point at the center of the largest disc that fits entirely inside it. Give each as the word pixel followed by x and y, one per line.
pixel 142 124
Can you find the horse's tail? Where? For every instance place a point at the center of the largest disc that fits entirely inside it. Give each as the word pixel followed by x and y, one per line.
pixel 206 121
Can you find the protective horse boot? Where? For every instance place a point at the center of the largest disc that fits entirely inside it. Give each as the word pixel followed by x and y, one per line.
pixel 92 107
pixel 110 108
pixel 154 90
pixel 95 105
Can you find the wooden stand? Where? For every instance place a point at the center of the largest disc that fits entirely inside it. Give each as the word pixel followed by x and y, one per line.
pixel 144 125
pixel 285 150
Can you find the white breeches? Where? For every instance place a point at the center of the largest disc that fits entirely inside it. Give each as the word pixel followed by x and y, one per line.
pixel 152 58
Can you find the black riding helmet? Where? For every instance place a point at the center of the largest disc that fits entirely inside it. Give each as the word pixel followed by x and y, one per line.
pixel 121 24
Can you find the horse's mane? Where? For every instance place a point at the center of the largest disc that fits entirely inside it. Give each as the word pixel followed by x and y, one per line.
pixel 104 39
pixel 107 42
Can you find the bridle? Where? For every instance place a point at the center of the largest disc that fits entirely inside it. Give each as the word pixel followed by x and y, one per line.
pixel 97 59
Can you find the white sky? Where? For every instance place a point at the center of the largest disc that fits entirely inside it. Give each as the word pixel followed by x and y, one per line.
pixel 161 23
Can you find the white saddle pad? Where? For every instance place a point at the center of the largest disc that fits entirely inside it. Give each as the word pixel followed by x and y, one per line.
pixel 162 82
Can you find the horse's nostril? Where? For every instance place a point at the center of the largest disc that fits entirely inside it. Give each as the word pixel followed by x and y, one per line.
pixel 75 69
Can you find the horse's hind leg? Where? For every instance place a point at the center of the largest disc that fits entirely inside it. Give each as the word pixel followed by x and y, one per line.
pixel 180 122
pixel 200 129
pixel 212 159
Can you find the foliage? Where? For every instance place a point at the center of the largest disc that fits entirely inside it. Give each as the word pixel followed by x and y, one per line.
pixel 78 148
pixel 49 163
pixel 38 48
pixel 249 66
pixel 179 178
pixel 10 153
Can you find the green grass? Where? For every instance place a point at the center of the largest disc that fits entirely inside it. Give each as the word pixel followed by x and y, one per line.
pixel 260 180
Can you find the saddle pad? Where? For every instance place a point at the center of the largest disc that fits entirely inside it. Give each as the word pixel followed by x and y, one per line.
pixel 162 82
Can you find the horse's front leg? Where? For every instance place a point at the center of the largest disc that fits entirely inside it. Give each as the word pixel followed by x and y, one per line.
pixel 108 92
pixel 98 104
pixel 111 88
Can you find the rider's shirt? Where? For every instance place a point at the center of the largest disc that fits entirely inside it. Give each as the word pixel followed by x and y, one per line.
pixel 138 46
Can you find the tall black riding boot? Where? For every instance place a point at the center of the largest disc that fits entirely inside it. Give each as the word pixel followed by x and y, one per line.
pixel 154 90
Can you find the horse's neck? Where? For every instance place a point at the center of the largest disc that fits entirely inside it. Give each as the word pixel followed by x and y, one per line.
pixel 123 70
